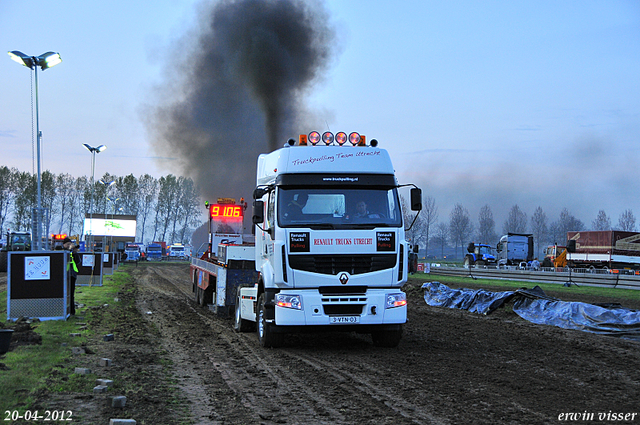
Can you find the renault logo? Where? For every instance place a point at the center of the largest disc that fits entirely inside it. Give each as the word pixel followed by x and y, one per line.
pixel 344 278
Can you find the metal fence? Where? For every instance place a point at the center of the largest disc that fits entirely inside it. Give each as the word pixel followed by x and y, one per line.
pixel 626 279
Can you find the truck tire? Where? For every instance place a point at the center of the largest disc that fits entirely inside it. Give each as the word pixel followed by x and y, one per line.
pixel 387 338
pixel 4 255
pixel 240 324
pixel 266 336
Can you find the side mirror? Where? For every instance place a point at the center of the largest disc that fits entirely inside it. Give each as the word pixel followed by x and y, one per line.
pixel 416 199
pixel 416 248
pixel 571 246
pixel 259 192
pixel 258 212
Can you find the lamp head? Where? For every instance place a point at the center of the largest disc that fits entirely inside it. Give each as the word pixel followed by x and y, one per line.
pixel 49 59
pixel 22 59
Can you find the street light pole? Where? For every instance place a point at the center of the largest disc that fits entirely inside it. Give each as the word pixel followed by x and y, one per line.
pixel 93 151
pixel 44 61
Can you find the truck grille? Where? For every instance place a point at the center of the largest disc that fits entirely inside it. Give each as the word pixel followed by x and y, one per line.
pixel 334 264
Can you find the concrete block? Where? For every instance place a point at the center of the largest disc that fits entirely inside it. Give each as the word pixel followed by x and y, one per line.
pixel 75 334
pixel 105 382
pixel 100 389
pixel 122 422
pixel 104 362
pixel 76 351
pixel 108 337
pixel 82 371
pixel 119 401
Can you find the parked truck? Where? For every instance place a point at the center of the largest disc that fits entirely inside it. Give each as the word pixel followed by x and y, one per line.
pixel 156 251
pixel 176 252
pixel 479 254
pixel 555 256
pixel 133 252
pixel 515 249
pixel 603 249
pixel 16 241
pixel 330 251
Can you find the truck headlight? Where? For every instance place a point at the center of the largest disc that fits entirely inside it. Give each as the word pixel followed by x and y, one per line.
pixel 396 300
pixel 289 301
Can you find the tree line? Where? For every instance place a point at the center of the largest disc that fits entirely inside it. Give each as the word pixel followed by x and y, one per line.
pixel 167 209
pixel 460 229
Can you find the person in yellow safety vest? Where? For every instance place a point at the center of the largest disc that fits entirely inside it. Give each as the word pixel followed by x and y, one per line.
pixel 72 268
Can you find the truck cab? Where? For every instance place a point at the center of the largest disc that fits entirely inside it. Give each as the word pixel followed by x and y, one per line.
pixel 515 249
pixel 330 243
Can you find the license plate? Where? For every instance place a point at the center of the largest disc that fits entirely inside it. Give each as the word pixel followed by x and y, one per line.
pixel 344 320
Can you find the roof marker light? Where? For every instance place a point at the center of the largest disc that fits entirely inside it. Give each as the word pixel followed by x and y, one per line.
pixel 302 140
pixel 341 138
pixel 354 138
pixel 327 138
pixel 314 137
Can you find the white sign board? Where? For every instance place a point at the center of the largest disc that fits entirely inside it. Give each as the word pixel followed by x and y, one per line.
pixel 37 268
pixel 87 260
pixel 109 227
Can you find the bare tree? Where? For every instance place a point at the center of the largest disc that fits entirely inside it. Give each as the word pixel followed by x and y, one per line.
pixel 627 221
pixel 516 222
pixel 429 216
pixel 441 236
pixel 25 186
pixel 64 192
pixel 416 235
pixel 148 187
pixel 7 193
pixel 460 226
pixel 566 223
pixel 189 205
pixel 128 191
pixel 602 222
pixel 167 201
pixel 539 229
pixel 78 206
pixel 486 226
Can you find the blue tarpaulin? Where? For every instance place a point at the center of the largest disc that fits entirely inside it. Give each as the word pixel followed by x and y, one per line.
pixel 535 306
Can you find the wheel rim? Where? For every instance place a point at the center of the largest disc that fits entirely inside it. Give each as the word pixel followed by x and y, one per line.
pixel 260 323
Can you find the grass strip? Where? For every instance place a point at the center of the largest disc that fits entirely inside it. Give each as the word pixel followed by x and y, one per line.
pixel 28 369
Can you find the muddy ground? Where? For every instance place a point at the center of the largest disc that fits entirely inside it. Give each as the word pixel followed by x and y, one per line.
pixel 178 363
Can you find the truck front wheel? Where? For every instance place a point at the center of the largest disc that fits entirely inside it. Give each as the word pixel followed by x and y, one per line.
pixel 266 336
pixel 240 324
pixel 387 338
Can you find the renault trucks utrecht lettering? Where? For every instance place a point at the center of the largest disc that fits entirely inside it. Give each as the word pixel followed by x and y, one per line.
pixel 330 248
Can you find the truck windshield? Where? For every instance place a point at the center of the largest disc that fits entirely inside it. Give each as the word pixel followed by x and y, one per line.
pixel 484 250
pixel 338 208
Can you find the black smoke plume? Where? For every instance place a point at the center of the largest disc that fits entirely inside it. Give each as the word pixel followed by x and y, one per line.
pixel 239 89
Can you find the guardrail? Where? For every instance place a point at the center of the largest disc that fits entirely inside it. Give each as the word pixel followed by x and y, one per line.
pixel 565 276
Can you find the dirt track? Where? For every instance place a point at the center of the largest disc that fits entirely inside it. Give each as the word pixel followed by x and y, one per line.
pixel 451 367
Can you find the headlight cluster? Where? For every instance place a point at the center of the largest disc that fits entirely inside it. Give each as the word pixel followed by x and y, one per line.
pixel 289 301
pixel 396 300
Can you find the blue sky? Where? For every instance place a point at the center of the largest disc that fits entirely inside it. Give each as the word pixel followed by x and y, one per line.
pixel 532 102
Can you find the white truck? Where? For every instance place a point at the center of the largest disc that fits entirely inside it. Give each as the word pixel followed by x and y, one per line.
pixel 330 250
pixel 330 243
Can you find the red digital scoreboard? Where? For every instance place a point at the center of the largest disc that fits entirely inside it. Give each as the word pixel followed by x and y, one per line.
pixel 226 212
